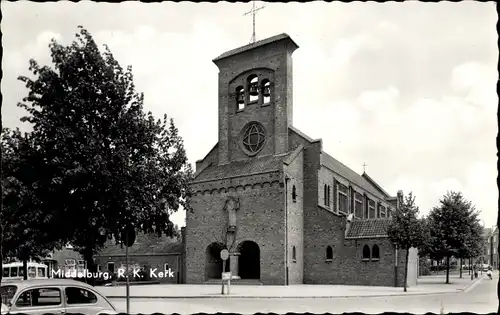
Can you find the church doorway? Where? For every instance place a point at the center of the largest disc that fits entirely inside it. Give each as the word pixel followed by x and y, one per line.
pixel 249 260
pixel 213 265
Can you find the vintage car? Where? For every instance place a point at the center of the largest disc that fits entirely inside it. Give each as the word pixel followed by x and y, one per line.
pixel 53 296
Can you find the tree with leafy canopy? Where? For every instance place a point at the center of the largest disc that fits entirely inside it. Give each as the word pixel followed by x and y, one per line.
pixel 26 226
pixel 450 227
pixel 406 230
pixel 111 164
pixel 473 245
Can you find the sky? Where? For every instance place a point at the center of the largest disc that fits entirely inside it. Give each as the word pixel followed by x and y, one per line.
pixel 407 88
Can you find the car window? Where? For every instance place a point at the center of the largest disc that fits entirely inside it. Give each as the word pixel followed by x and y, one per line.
pixel 13 271
pixel 39 297
pixel 79 296
pixel 6 272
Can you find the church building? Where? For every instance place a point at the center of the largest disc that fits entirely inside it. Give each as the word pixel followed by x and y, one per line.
pixel 288 212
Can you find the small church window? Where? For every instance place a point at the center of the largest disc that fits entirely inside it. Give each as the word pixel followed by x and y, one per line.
pixel 358 204
pixel 266 91
pixel 382 211
pixel 240 98
pixel 375 252
pixel 294 254
pixel 329 253
pixel 371 208
pixel 342 198
pixel 325 197
pixel 367 213
pixel 253 88
pixel 294 194
pixel 329 195
pixel 366 252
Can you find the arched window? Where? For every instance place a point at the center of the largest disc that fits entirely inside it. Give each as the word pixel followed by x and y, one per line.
pixel 329 253
pixel 266 91
pixel 366 252
pixel 294 254
pixel 294 194
pixel 253 88
pixel 240 98
pixel 375 252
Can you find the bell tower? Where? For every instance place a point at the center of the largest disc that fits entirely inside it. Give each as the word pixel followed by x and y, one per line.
pixel 255 99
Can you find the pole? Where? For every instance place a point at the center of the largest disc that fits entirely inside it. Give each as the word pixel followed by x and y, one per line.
pixel 222 279
pixel 126 266
pixel 253 15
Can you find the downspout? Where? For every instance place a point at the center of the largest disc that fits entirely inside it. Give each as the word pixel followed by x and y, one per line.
pixel 286 228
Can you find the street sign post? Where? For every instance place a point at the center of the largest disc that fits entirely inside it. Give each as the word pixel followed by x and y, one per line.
pixel 226 276
pixel 224 255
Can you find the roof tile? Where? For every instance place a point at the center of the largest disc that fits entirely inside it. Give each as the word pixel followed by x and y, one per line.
pixel 368 228
pixel 241 168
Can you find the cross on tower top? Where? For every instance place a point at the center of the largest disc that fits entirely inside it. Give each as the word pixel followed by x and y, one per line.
pixel 253 12
pixel 364 167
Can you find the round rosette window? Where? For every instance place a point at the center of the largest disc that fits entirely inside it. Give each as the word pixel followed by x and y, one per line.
pixel 253 138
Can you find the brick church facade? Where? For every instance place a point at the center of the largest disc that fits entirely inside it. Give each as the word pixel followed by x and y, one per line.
pixel 288 212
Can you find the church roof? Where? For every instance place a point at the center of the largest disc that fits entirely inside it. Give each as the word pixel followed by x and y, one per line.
pixel 242 168
pixel 344 171
pixel 254 45
pixel 368 228
pixel 375 184
pixel 350 175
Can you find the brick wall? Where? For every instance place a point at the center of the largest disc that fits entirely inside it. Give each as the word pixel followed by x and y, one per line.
pixel 311 233
pixel 259 219
pixel 295 219
pixel 347 265
pixel 375 273
pixel 324 228
pixel 273 60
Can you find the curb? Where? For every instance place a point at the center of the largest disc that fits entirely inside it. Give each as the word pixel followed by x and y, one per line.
pixel 473 284
pixel 220 296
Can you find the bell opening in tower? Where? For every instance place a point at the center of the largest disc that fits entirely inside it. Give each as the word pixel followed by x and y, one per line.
pixel 253 88
pixel 266 92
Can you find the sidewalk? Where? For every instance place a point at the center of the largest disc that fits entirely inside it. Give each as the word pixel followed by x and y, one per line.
pixel 427 285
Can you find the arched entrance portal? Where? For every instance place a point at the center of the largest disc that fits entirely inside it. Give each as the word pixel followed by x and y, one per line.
pixel 249 260
pixel 213 264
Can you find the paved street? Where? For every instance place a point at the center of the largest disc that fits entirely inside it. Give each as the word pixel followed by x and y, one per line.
pixel 480 298
pixel 426 285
